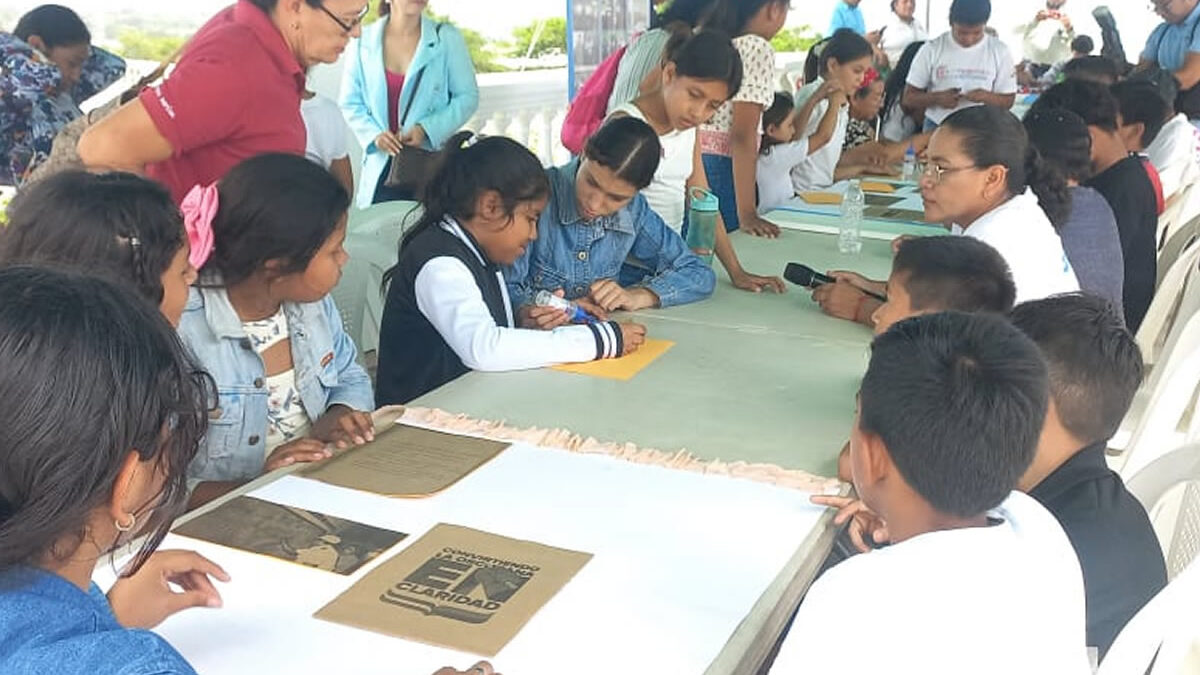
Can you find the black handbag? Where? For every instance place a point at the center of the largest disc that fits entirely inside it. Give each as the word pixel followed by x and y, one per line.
pixel 411 165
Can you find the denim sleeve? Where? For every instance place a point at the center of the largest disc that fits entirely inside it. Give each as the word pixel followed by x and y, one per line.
pixel 516 277
pixel 354 385
pixel 679 276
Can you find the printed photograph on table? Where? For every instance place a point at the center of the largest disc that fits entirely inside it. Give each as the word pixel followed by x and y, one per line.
pixel 288 533
pixel 406 461
pixel 459 588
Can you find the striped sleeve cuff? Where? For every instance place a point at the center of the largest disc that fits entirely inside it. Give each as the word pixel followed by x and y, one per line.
pixel 609 344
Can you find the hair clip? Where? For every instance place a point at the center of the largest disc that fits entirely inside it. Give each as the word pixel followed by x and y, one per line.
pixel 199 209
pixel 472 140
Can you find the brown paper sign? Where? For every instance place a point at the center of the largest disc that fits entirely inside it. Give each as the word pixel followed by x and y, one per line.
pixel 406 461
pixel 288 533
pixel 459 588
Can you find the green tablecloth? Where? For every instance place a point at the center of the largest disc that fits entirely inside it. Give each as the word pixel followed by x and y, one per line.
pixel 759 378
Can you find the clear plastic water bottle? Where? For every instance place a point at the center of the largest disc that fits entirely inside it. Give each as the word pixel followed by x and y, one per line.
pixel 850 230
pixel 910 164
pixel 703 207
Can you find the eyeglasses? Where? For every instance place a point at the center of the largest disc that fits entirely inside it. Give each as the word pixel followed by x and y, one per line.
pixel 354 23
pixel 935 173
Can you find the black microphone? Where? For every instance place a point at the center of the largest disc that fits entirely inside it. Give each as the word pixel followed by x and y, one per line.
pixel 803 275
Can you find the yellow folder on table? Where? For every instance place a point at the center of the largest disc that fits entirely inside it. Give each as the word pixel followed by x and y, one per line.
pixel 623 368
pixel 876 186
pixel 821 197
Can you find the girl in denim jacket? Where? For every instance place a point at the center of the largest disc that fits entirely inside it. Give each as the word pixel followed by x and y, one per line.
pixel 594 221
pixel 262 323
pixel 448 310
pixel 128 410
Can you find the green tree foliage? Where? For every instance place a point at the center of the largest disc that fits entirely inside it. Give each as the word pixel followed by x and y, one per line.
pixel 482 54
pixel 552 39
pixel 138 44
pixel 796 39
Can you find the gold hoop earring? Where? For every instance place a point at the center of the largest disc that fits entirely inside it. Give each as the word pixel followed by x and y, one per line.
pixel 126 528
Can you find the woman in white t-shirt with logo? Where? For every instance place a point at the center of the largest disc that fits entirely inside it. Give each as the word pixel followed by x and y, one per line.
pixel 961 68
pixel 700 72
pixel 983 180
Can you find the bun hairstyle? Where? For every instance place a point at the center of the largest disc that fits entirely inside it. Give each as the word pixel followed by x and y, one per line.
pixel 1063 139
pixel 992 136
pixel 469 165
pixel 704 55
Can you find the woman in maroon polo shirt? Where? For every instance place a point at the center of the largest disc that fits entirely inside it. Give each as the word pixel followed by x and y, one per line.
pixel 234 94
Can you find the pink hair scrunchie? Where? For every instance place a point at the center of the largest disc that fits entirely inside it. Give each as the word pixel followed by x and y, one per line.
pixel 199 208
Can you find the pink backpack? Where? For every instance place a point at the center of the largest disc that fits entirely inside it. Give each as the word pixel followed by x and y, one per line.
pixel 590 107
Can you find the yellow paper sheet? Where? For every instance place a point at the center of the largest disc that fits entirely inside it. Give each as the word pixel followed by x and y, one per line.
pixel 821 197
pixel 623 368
pixel 873 186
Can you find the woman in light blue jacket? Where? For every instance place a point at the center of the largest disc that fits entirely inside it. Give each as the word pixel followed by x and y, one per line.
pixel 404 63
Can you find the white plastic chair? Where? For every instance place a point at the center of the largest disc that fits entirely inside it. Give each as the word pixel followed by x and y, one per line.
pixel 1169 489
pixel 372 240
pixel 1172 215
pixel 1163 632
pixel 1160 330
pixel 1171 389
pixel 1166 629
pixel 1164 309
pixel 1177 241
pixel 383 216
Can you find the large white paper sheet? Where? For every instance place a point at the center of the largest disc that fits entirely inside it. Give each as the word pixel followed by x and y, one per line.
pixel 680 560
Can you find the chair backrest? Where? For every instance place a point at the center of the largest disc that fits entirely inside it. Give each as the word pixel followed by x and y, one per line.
pixel 1169 489
pixel 1161 633
pixel 1171 389
pixel 385 215
pixel 1177 240
pixel 372 240
pixel 1169 219
pixel 1164 309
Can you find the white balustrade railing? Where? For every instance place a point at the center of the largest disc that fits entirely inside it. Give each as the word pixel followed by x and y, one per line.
pixel 528 107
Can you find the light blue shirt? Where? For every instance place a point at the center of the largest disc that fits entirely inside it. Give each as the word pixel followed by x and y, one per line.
pixel 323 358
pixel 50 625
pixel 1169 44
pixel 571 253
pixel 845 16
pixel 442 102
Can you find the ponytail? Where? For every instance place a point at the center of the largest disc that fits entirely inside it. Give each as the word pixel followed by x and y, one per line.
pixel 704 55
pixel 467 166
pixel 1050 186
pixel 992 136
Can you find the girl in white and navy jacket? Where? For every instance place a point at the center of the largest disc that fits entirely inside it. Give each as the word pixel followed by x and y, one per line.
pixel 447 309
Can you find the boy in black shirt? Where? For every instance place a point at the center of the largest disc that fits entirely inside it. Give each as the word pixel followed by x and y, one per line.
pixel 1123 180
